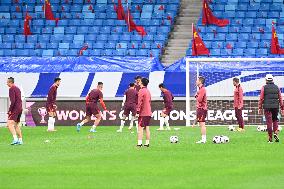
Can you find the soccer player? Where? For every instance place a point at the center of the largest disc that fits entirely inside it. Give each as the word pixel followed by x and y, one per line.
pixel 168 103
pixel 92 108
pixel 138 79
pixel 15 112
pixel 238 103
pixel 270 99
pixel 144 112
pixel 129 105
pixel 137 87
pixel 50 104
pixel 201 107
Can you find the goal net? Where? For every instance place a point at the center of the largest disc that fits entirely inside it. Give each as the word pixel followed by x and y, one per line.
pixel 219 74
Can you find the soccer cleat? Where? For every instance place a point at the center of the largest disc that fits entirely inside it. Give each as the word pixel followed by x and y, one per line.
pixel 139 145
pixel 201 142
pixel 276 138
pixel 20 142
pixel 160 129
pixel 78 127
pixel 119 131
pixel 15 142
pixel 147 145
pixel 93 131
pixel 270 141
pixel 240 130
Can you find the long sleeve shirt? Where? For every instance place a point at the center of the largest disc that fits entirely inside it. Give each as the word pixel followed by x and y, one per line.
pixel 144 102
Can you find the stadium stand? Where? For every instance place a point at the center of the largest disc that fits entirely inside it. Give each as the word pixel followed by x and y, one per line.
pixel 249 31
pixel 92 22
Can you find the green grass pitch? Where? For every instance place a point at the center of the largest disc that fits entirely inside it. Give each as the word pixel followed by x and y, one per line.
pixel 108 159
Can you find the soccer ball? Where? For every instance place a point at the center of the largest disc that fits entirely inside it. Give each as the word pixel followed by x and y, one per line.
pixel 222 139
pixel 226 139
pixel 174 139
pixel 231 128
pixel 216 139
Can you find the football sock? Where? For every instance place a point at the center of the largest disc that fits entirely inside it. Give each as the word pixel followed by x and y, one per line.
pixel 167 121
pixel 15 137
pixel 162 122
pixel 20 139
pixel 147 142
pixel 203 138
pixel 122 122
pixel 139 142
pixel 50 123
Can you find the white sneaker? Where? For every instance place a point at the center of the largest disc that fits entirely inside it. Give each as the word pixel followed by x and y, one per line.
pixel 119 131
pixel 201 142
pixel 160 129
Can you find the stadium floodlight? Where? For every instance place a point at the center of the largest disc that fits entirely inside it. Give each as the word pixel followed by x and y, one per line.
pixel 200 62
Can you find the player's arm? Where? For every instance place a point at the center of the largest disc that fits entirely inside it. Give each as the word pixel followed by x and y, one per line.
pixel 103 103
pixel 140 102
pixel 12 96
pixel 200 96
pixel 261 99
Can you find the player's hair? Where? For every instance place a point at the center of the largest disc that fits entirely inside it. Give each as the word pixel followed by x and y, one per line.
pixel 161 85
pixel 11 79
pixel 138 77
pixel 131 85
pixel 57 79
pixel 100 83
pixel 201 79
pixel 145 81
pixel 237 80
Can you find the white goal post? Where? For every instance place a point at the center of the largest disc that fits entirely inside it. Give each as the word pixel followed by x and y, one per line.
pixel 207 60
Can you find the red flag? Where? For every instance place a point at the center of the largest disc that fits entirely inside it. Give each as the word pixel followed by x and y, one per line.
pixel 274 46
pixel 198 46
pixel 119 10
pixel 209 18
pixel 132 26
pixel 18 9
pixel 85 47
pixel 27 30
pixel 48 12
pixel 161 7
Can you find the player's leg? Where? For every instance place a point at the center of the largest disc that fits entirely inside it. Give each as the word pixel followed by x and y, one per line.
pixel 148 136
pixel 162 122
pixel 167 118
pixel 89 111
pixel 96 122
pixel 133 119
pixel 133 113
pixel 51 120
pixel 201 115
pixel 19 133
pixel 275 124
pixel 268 117
pixel 140 132
pixel 239 116
pixel 122 123
pixel 18 129
pixel 11 126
